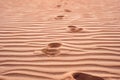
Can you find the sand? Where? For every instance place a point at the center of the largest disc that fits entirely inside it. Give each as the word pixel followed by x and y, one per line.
pixel 28 26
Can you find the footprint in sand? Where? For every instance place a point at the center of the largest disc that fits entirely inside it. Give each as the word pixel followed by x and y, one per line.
pixel 52 49
pixel 67 10
pixel 75 75
pixel 51 52
pixel 54 45
pixel 59 17
pixel 58 6
pixel 74 29
pixel 84 76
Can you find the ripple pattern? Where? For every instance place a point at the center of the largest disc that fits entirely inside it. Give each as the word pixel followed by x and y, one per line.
pixel 28 26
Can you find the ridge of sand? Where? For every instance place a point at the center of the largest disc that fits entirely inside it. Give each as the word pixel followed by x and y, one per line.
pixel 27 26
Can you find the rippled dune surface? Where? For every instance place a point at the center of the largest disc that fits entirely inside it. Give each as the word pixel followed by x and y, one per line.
pixel 27 26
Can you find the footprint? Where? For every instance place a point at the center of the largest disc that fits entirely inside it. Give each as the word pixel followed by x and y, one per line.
pixel 76 75
pixel 59 17
pixel 74 29
pixel 84 76
pixel 58 6
pixel 54 45
pixel 67 10
pixel 51 51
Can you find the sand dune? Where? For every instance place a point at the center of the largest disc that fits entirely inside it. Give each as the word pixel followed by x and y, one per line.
pixel 27 26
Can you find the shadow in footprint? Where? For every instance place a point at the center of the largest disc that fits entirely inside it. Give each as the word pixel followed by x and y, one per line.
pixel 67 10
pixel 59 17
pixel 54 45
pixel 58 6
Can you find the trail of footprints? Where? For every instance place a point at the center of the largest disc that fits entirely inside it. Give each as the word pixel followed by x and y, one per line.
pixel 54 49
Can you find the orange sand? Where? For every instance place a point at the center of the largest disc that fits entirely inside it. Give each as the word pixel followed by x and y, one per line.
pixel 27 26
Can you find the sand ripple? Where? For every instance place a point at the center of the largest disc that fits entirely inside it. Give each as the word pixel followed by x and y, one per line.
pixel 26 27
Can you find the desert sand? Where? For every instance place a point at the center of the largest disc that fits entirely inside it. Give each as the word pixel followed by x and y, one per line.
pixel 29 27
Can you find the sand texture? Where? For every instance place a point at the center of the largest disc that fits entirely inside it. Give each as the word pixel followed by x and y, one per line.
pixel 50 39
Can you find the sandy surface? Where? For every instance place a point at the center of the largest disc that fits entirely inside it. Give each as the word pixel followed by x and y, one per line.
pixel 27 26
